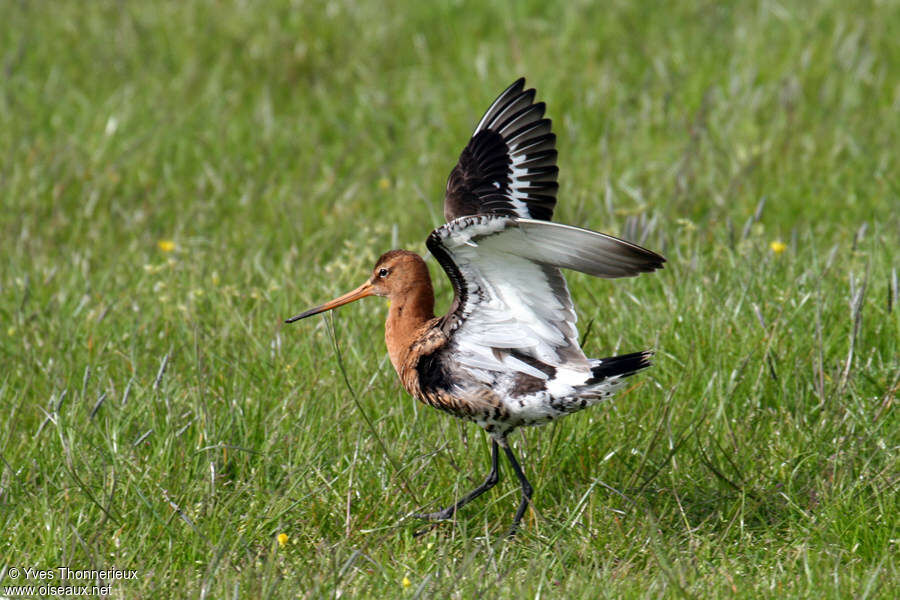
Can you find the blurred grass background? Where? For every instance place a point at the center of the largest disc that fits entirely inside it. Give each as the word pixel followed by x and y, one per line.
pixel 176 178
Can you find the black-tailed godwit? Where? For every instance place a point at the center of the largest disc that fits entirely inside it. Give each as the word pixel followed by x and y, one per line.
pixel 507 353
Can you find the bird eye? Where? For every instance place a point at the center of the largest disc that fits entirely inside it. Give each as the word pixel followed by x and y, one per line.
pixel 383 273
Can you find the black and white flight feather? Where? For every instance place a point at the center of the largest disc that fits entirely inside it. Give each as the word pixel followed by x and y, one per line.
pixel 509 166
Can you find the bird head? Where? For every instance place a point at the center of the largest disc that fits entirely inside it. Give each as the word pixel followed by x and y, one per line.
pixel 396 273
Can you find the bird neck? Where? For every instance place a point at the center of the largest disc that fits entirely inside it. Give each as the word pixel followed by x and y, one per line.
pixel 408 314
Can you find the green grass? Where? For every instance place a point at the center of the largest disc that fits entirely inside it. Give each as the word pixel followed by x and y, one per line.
pixel 282 148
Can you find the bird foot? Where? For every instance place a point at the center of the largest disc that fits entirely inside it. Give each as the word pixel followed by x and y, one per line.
pixel 512 531
pixel 419 533
pixel 441 515
pixel 436 518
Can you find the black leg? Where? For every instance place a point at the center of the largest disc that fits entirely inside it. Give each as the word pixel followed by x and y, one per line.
pixel 492 479
pixel 526 489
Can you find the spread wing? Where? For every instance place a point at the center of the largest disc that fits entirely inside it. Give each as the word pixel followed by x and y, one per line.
pixel 512 309
pixel 509 166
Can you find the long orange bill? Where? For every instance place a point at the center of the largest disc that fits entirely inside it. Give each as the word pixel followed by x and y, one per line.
pixel 362 291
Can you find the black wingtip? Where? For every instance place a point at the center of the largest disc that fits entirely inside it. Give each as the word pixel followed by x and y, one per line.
pixel 648 260
pixel 657 261
pixel 516 87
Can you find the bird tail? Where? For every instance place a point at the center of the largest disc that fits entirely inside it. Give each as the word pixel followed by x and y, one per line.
pixel 607 376
pixel 618 366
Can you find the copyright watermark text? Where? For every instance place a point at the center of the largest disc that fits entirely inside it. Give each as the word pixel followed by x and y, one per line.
pixel 23 582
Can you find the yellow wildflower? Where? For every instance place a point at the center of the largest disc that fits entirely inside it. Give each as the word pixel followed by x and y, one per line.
pixel 282 540
pixel 406 582
pixel 778 247
pixel 166 245
pixel 384 183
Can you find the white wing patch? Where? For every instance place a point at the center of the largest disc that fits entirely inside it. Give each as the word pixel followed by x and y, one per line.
pixel 512 302
pixel 513 299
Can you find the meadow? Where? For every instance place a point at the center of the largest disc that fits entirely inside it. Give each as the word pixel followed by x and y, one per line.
pixel 177 178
